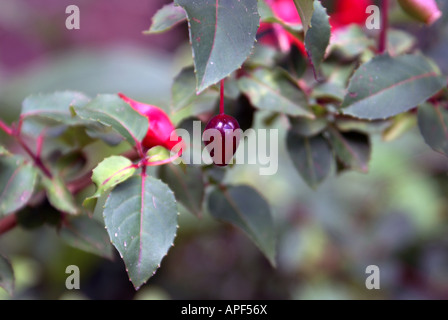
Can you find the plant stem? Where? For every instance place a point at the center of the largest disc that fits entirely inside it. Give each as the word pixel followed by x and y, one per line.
pixel 36 157
pixel 37 160
pixel 7 223
pixel 382 45
pixel 221 98
pixel 5 128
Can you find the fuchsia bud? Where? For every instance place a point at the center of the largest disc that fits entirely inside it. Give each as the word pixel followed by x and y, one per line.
pixel 160 125
pixel 425 11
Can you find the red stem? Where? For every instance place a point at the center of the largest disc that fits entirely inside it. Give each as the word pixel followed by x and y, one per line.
pixel 160 162
pixel 221 98
pixel 36 157
pixel 382 46
pixel 7 223
pixel 5 128
pixel 37 160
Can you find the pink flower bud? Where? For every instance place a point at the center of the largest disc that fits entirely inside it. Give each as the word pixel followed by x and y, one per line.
pixel 160 125
pixel 425 11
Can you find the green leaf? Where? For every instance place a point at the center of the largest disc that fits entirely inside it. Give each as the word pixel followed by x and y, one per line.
pixel 353 149
pixel 4 151
pixel 306 10
pixel 222 34
pixel 318 35
pixel 370 127
pixel 274 90
pixel 112 111
pixel 183 91
pixel 54 106
pixel 433 124
pixel 166 18
pixel 337 73
pixel 265 11
pixel 268 16
pixel 141 219
pixel 17 182
pixel 399 42
pixel 193 130
pixel 88 235
pixel 59 196
pixel 32 217
pixel 306 127
pixel 69 165
pixel 386 86
pixel 96 130
pixel 350 42
pixel 328 91
pixel 187 185
pixel 109 173
pixel 245 208
pixel 312 157
pixel 401 124
pixel 157 153
pixel 6 276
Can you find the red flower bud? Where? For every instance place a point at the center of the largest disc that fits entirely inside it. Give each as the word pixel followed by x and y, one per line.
pixel 346 12
pixel 160 126
pixel 425 11
pixel 349 12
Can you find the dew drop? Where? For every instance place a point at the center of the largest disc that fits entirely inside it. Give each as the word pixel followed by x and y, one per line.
pixel 116 234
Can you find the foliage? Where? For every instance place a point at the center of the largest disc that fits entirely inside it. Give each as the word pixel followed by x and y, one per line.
pixel 330 94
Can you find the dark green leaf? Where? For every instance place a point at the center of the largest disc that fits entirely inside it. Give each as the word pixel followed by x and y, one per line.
pixel 328 91
pixel 17 181
pixel 34 217
pixel 169 16
pixel 187 185
pixel 109 173
pixel 193 128
pixel 6 276
pixel 386 86
pixel 307 127
pixel 306 10
pixel 112 111
pixel 88 235
pixel 69 165
pixel 96 130
pixel 350 42
pixel 318 35
pixel 295 62
pixel 312 157
pixel 222 34
pixel 141 219
pixel 183 90
pixel 215 174
pixel 352 148
pixel 59 196
pixel 54 106
pixel 274 91
pixel 433 124
pixel 245 208
pixel 242 110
